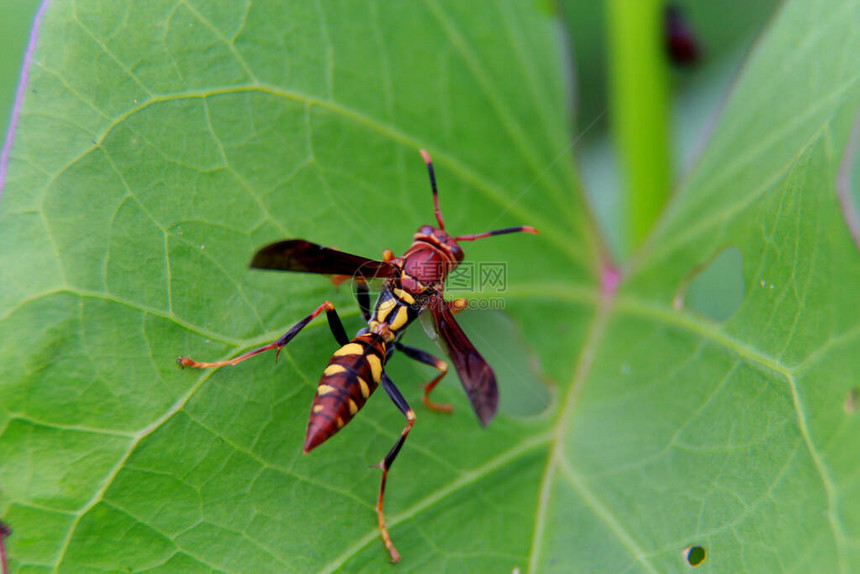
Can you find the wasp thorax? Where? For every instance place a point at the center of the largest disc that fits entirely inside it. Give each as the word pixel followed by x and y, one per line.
pixel 440 239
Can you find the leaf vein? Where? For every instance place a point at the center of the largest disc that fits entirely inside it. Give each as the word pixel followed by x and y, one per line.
pixel 217 33
pixel 490 190
pixel 605 514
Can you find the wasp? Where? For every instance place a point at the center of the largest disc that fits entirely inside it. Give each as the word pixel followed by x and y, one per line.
pixel 412 285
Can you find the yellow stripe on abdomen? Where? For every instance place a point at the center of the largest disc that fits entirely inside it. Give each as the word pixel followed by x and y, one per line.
pixel 333 369
pixel 375 367
pixel 349 349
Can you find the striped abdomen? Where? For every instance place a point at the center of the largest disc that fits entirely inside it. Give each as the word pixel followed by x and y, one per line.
pixel 352 374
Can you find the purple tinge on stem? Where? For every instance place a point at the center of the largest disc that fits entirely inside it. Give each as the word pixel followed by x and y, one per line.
pixel 19 95
pixel 5 532
pixel 843 181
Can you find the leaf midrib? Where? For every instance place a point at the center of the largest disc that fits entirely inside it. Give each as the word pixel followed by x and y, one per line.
pixel 556 457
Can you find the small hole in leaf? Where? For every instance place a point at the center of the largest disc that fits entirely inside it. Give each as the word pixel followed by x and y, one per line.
pixel 716 288
pixel 850 401
pixel 694 555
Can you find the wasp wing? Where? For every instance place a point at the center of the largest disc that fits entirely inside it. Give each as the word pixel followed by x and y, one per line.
pixel 306 257
pixel 476 375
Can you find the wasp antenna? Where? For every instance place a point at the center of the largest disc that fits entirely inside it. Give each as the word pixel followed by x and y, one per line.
pixel 521 228
pixel 436 209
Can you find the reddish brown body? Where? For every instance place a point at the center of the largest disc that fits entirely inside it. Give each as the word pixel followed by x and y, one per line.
pixel 355 370
pixel 413 284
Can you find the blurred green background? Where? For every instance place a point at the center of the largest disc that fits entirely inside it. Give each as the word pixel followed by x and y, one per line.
pixel 725 32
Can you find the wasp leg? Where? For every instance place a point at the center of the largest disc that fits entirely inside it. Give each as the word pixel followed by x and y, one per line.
pixel 438 364
pixel 362 293
pixel 386 463
pixel 334 324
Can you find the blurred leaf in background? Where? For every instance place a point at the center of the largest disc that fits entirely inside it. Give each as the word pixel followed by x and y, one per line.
pixel 724 30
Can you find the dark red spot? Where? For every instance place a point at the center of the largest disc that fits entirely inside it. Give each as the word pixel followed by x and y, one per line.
pixel 681 44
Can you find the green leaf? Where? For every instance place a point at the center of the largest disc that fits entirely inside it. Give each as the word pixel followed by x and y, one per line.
pixel 160 144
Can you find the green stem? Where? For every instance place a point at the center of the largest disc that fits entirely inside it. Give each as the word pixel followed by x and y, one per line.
pixel 639 105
